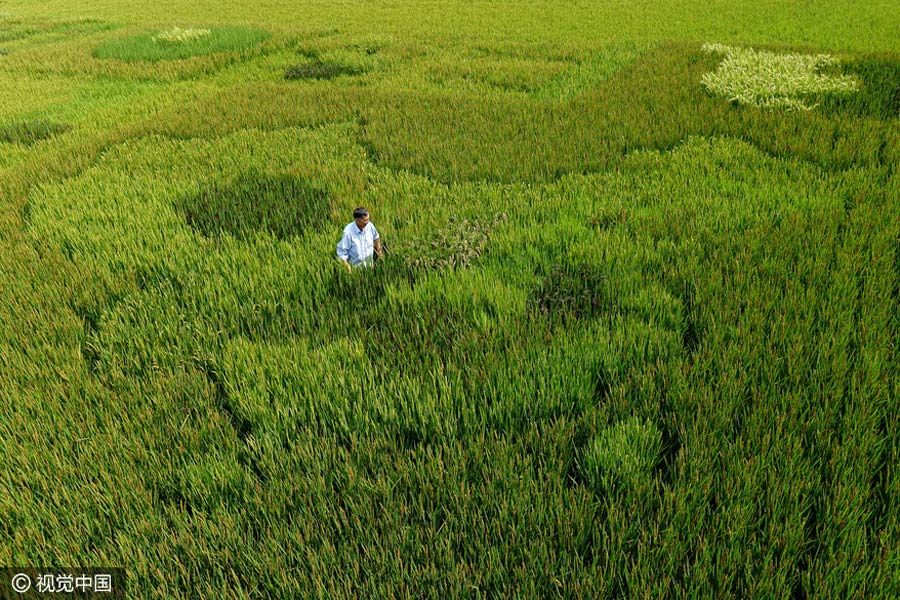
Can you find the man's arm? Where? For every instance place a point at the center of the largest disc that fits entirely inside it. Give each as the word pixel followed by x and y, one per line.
pixel 343 250
pixel 377 241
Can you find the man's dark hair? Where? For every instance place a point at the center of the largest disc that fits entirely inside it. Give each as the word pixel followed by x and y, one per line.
pixel 360 212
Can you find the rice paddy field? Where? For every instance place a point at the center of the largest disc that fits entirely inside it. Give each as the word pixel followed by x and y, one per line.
pixel 637 334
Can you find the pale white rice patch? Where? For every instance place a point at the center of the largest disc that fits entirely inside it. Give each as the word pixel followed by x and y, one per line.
pixel 767 79
pixel 177 35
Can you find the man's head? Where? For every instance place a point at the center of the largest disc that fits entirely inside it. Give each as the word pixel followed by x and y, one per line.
pixel 361 216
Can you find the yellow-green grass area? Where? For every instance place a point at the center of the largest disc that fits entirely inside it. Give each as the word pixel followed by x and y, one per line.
pixel 20 95
pixel 21 33
pixel 630 339
pixel 837 25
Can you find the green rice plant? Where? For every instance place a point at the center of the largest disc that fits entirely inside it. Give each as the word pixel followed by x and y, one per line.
pixel 879 89
pixel 451 136
pixel 722 279
pixel 331 59
pixel 371 44
pixel 273 387
pixel 590 72
pixel 318 69
pixel 571 290
pixel 262 105
pixel 30 132
pixel 766 79
pixel 151 47
pixel 204 483
pixel 281 206
pixel 607 218
pixel 455 245
pixel 490 73
pixel 406 327
pixel 622 457
pixel 365 287
pixel 13 30
pixel 21 33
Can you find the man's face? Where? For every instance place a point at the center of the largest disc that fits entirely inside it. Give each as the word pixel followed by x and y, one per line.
pixel 361 222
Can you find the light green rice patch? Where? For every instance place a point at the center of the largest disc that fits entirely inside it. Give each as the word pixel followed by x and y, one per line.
pixel 274 386
pixel 591 72
pixel 622 456
pixel 13 155
pixel 177 43
pixel 769 80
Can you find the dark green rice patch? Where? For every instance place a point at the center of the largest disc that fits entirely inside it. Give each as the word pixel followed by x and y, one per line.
pixel 365 286
pixel 30 132
pixel 571 290
pixel 11 34
pixel 607 218
pixel 691 333
pixel 452 137
pixel 879 91
pixel 320 69
pixel 282 206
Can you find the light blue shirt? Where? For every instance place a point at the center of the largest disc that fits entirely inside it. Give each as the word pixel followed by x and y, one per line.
pixel 357 246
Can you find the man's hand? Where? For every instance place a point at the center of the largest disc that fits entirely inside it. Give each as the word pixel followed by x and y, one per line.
pixel 349 268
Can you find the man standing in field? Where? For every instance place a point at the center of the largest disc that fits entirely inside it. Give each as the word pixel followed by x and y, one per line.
pixel 359 241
